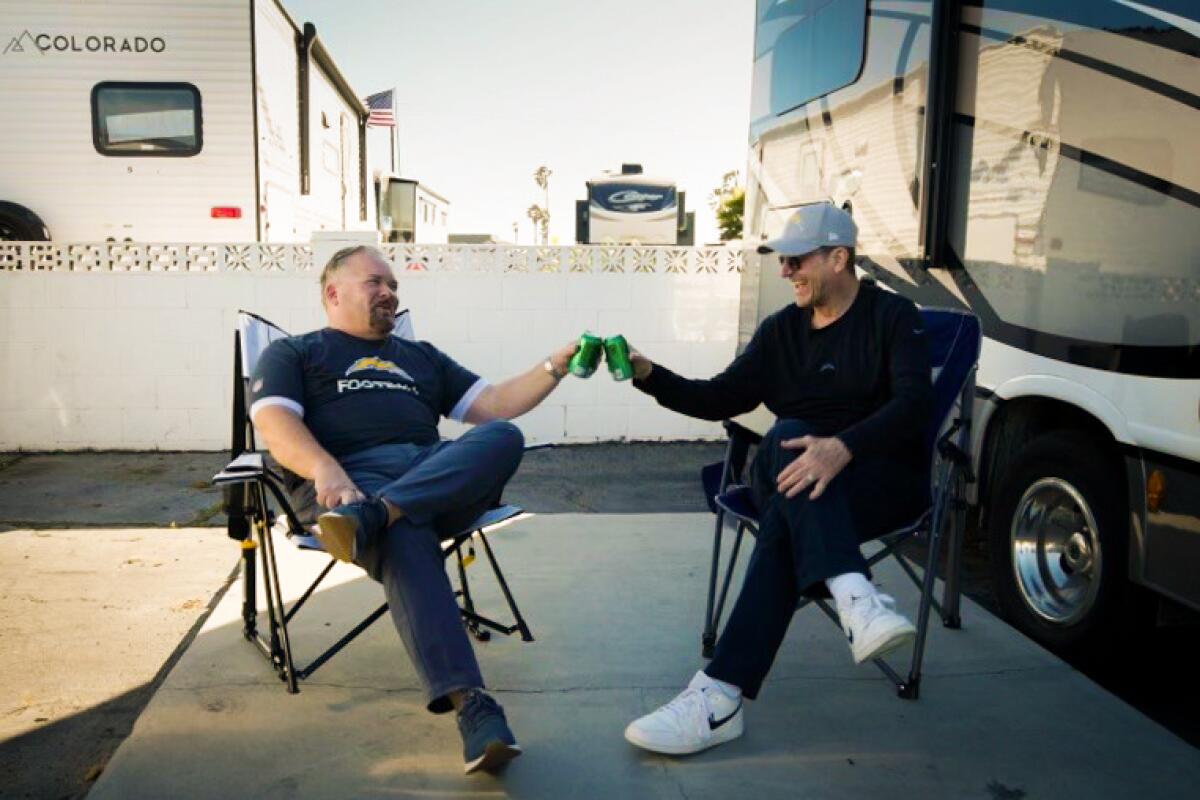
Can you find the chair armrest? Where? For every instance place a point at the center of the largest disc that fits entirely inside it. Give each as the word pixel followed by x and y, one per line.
pixel 738 501
pixel 245 468
pixel 740 432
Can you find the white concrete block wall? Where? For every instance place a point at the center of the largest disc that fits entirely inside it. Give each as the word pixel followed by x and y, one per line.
pixel 138 360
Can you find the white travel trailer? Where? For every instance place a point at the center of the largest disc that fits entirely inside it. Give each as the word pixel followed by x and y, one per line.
pixel 411 212
pixel 171 121
pixel 632 208
pixel 1035 162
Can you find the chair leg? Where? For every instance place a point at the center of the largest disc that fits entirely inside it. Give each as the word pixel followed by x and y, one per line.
pixel 708 637
pixel 952 591
pixel 733 556
pixel 526 636
pixel 249 589
pixel 469 618
pixel 340 643
pixel 918 581
pixel 911 688
pixel 270 646
pixel 281 645
pixel 902 687
pixel 296 606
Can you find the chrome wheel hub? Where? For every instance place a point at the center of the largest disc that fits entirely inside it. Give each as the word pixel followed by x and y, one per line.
pixel 1056 553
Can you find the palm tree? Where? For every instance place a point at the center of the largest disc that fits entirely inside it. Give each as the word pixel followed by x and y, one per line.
pixel 541 176
pixel 538 216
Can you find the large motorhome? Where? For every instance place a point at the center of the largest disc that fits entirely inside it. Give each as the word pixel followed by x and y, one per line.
pixel 1035 162
pixel 168 121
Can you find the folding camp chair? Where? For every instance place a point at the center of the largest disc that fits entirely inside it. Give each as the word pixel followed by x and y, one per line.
pixel 954 341
pixel 251 484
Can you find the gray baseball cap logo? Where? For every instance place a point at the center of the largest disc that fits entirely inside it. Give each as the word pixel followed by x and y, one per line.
pixel 813 226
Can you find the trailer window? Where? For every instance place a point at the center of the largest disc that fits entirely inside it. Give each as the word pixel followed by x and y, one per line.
pixel 805 49
pixel 146 119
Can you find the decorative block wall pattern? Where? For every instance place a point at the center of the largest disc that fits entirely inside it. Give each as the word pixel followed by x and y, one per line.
pixel 129 346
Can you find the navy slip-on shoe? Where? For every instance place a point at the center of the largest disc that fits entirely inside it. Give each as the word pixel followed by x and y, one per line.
pixel 487 741
pixel 347 529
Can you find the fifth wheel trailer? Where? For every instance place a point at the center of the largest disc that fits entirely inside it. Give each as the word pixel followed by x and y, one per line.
pixel 1033 161
pixel 171 121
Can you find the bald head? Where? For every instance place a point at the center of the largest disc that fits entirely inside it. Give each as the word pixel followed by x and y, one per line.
pixel 358 291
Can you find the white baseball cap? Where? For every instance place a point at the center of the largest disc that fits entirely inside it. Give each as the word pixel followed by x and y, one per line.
pixel 813 226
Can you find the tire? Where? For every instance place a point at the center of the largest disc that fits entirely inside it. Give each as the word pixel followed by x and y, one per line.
pixel 19 224
pixel 1058 532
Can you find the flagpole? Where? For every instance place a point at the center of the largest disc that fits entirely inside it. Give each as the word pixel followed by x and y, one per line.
pixel 395 137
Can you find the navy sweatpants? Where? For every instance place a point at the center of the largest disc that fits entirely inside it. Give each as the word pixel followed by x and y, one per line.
pixel 801 543
pixel 441 488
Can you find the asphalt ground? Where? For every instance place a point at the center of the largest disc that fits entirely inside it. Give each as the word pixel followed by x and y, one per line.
pixel 52 493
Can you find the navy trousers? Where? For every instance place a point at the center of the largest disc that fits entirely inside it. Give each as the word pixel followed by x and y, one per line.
pixel 801 543
pixel 440 488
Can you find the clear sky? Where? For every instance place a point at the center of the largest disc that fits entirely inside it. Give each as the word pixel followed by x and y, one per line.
pixel 487 90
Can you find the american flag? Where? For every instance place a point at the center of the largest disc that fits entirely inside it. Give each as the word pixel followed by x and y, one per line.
pixel 383 114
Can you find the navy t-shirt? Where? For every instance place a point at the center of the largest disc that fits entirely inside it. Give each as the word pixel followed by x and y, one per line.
pixel 357 393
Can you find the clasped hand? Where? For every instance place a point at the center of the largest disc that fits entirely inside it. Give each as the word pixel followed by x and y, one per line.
pixel 823 458
pixel 334 487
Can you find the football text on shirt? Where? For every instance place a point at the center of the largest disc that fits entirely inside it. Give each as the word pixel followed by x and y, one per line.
pixel 356 384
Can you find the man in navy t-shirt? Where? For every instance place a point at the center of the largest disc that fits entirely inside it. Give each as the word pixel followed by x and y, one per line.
pixel 355 409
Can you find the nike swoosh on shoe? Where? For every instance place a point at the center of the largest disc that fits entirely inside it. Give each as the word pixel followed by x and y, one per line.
pixel 713 724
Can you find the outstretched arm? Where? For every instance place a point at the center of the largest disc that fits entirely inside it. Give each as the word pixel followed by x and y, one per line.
pixel 521 393
pixel 738 389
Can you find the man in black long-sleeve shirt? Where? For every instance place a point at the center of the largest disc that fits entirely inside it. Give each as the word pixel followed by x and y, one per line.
pixel 846 370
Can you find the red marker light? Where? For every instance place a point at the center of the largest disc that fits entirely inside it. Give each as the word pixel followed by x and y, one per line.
pixel 226 212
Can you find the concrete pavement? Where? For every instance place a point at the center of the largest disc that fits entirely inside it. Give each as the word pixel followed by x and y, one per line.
pixel 89 620
pixel 615 603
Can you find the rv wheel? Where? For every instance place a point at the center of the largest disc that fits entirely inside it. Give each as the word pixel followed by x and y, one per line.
pixel 1058 532
pixel 19 224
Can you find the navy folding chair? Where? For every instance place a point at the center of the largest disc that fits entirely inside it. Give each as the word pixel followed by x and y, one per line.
pixel 251 485
pixel 954 341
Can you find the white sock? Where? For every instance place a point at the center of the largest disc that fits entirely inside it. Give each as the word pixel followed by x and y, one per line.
pixel 849 585
pixel 727 689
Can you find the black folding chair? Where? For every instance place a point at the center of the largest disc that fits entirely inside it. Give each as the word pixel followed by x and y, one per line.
pixel 954 341
pixel 260 501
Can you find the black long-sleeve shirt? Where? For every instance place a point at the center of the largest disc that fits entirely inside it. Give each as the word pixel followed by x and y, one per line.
pixel 865 378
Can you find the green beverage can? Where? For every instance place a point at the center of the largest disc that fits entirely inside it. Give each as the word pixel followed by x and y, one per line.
pixel 616 352
pixel 587 357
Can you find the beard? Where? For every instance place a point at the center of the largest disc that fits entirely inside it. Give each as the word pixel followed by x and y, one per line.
pixel 383 317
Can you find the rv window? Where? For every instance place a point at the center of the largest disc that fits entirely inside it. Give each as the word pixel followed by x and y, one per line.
pixel 805 49
pixel 146 119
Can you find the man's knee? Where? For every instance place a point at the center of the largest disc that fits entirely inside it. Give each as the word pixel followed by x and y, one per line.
pixel 505 437
pixel 786 429
pixel 772 457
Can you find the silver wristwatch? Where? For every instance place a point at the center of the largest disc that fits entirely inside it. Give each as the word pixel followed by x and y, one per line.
pixel 548 365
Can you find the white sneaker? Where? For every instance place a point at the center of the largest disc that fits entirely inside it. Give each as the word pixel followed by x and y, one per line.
pixel 873 626
pixel 702 716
